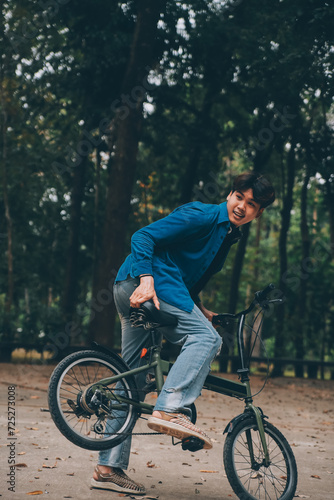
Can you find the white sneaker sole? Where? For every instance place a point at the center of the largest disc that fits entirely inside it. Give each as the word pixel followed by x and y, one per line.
pixel 176 430
pixel 105 485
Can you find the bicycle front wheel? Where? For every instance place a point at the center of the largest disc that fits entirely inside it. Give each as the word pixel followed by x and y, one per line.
pixel 94 419
pixel 244 463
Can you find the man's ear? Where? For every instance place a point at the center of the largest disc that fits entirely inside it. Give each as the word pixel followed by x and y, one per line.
pixel 229 195
pixel 260 212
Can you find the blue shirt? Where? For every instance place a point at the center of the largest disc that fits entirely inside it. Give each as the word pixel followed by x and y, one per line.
pixel 177 250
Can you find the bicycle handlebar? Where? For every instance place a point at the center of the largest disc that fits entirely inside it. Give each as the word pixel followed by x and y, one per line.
pixel 260 298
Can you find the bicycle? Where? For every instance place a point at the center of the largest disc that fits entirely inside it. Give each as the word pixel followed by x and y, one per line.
pixel 94 402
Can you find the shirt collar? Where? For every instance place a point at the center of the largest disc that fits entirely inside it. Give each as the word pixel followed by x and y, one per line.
pixel 223 215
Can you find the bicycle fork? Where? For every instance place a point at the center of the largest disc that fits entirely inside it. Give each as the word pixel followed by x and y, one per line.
pixel 259 421
pixel 257 412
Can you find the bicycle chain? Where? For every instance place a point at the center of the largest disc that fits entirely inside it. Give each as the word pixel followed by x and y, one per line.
pixel 146 433
pixel 134 433
pixel 137 433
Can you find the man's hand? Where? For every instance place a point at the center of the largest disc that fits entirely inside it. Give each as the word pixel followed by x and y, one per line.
pixel 145 291
pixel 208 314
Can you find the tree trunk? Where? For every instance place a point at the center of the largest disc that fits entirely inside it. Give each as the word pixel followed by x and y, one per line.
pixel 188 180
pixel 6 327
pixel 257 249
pixel 10 273
pixel 128 125
pixel 227 347
pixel 301 327
pixel 97 188
pixel 197 141
pixel 71 278
pixel 330 205
pixel 285 224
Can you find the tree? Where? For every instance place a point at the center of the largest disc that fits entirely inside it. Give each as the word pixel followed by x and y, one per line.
pixel 128 122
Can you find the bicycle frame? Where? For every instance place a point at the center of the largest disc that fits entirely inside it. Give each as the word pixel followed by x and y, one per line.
pixel 98 413
pixel 213 383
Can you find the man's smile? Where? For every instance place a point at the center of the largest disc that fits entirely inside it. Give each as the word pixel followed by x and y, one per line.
pixel 238 214
pixel 242 207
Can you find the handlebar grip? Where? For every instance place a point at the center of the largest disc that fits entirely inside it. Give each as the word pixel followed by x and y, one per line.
pixel 262 294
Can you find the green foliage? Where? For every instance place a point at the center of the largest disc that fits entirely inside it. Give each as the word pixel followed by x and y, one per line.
pixel 234 87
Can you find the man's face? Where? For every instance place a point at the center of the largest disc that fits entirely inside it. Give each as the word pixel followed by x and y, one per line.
pixel 242 207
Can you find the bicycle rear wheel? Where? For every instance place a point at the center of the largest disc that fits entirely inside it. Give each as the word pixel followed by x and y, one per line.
pixel 251 479
pixel 94 419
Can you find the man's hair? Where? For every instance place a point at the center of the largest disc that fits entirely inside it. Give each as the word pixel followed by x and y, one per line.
pixel 263 191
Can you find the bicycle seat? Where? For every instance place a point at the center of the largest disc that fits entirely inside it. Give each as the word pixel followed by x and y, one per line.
pixel 148 316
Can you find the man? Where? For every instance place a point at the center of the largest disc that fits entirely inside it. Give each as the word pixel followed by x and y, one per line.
pixel 170 262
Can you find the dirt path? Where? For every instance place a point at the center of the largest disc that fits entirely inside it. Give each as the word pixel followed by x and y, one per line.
pixel 54 468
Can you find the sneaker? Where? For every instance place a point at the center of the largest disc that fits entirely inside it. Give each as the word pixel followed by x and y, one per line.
pixel 117 480
pixel 177 425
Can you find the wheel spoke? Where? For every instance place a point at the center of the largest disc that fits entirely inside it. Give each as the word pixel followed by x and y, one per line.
pixel 92 423
pixel 252 479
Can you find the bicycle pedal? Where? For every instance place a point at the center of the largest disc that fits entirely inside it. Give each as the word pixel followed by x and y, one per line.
pixel 150 387
pixel 192 444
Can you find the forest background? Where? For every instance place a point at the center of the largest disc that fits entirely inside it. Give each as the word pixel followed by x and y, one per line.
pixel 114 113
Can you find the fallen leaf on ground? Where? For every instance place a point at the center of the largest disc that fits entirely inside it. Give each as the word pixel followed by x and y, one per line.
pixel 37 492
pixel 315 476
pixel 22 453
pixel 32 428
pixel 209 471
pixel 151 465
pixel 35 397
pixel 70 474
pixel 50 466
pixel 21 465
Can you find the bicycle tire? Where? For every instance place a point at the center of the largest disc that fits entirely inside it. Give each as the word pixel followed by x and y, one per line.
pixel 68 382
pixel 278 481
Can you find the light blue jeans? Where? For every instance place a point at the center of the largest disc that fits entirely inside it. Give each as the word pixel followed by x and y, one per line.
pixel 200 344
